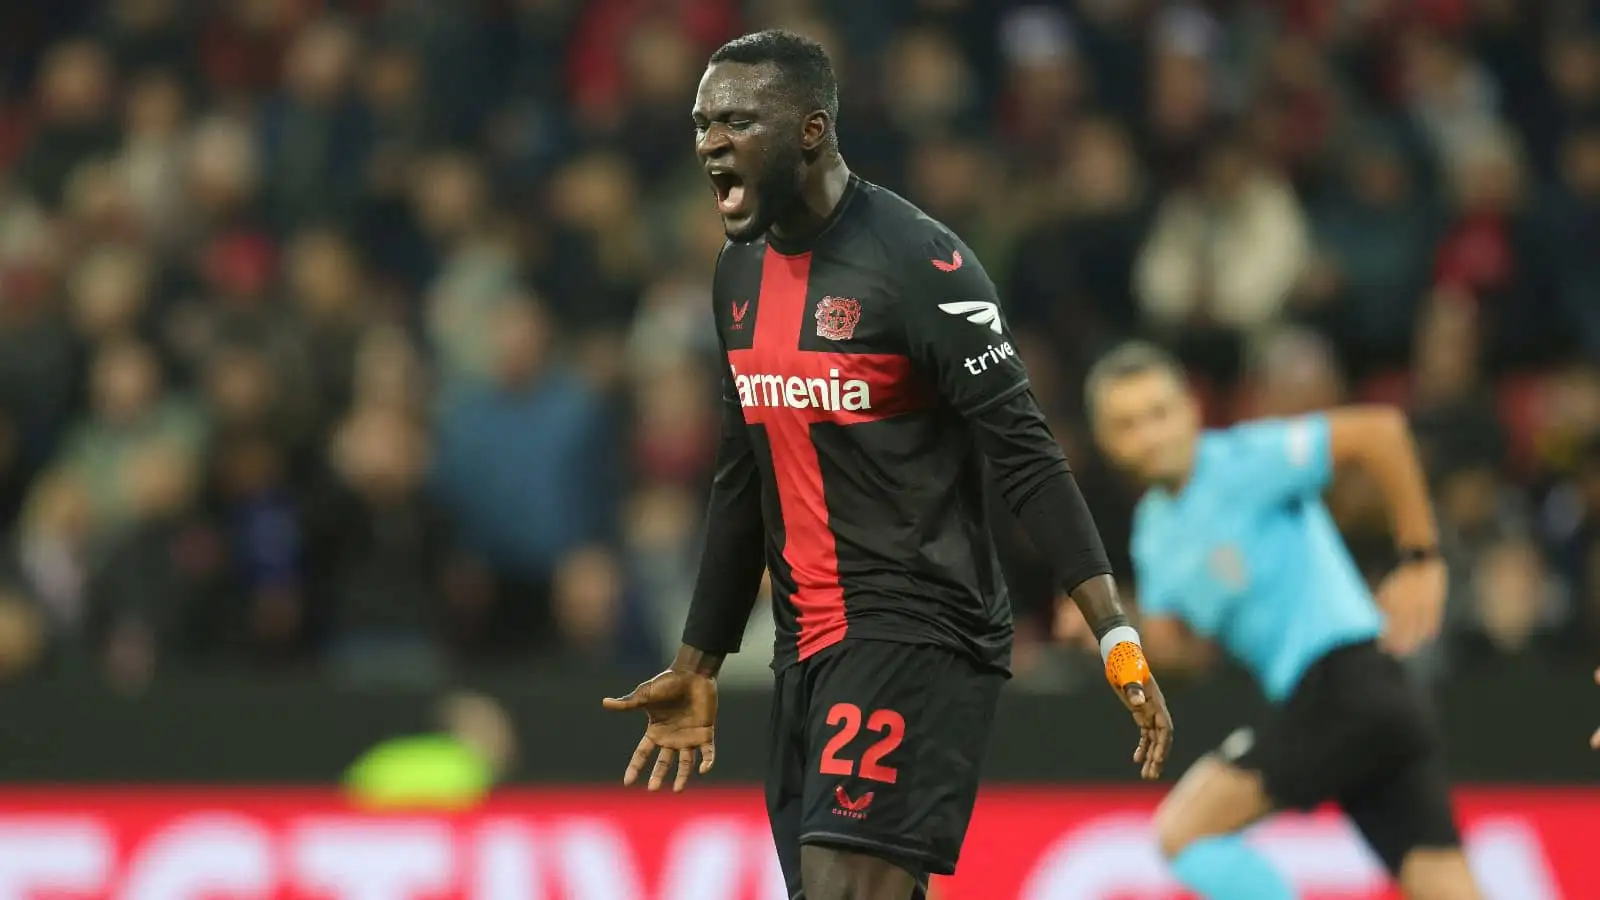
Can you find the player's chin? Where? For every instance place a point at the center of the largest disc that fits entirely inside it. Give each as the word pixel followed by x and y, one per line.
pixel 744 225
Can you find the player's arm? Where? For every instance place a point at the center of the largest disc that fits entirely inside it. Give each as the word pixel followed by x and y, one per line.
pixel 681 703
pixel 957 337
pixel 734 557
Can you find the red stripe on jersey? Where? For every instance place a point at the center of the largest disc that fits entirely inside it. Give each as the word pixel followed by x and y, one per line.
pixel 787 390
pixel 808 545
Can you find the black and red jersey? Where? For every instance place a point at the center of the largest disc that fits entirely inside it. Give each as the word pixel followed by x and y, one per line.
pixel 855 363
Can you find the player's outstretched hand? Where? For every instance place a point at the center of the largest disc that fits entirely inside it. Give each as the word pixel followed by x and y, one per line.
pixel 1412 598
pixel 1149 708
pixel 681 714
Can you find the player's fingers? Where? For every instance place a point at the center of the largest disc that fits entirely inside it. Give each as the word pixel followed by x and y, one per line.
pixel 658 775
pixel 1163 746
pixel 636 763
pixel 1135 694
pixel 1143 750
pixel 685 766
pixel 628 701
pixel 1163 741
pixel 708 757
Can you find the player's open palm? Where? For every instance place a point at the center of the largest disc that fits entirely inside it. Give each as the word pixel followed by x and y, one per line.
pixel 681 713
pixel 1412 598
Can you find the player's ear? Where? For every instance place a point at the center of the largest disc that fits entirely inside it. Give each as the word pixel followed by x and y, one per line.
pixel 814 131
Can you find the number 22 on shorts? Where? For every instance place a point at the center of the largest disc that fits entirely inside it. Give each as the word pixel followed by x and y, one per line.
pixel 886 722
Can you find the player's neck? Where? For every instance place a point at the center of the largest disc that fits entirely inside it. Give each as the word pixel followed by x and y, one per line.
pixel 824 188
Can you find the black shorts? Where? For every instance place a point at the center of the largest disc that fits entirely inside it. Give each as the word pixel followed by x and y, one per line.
pixel 876 748
pixel 1357 732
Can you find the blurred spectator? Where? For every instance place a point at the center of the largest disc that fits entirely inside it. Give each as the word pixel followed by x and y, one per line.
pixel 393 94
pixel 660 526
pixel 382 552
pixel 1222 258
pixel 1571 232
pixel 222 176
pixel 1182 106
pixel 1450 96
pixel 109 294
pixel 1293 372
pixel 256 509
pixel 1484 253
pixel 1375 234
pixel 1452 410
pixel 314 136
pixel 1572 518
pixel 326 285
pixel 22 636
pixel 599 241
pixel 1073 272
pixel 77 122
pixel 155 599
pixel 661 68
pixel 1513 606
pixel 676 427
pixel 599 617
pixel 1044 84
pixel 48 558
pixel 526 465
pixel 151 161
pixel 130 413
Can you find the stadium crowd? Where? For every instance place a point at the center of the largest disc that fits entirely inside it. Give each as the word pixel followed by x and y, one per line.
pixel 372 336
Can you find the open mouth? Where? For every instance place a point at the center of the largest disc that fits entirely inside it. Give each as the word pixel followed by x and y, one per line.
pixel 729 188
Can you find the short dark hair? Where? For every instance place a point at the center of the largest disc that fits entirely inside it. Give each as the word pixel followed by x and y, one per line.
pixel 807 72
pixel 1125 361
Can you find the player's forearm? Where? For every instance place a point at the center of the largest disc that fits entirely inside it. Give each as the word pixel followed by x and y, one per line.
pixel 730 573
pixel 734 556
pixel 1102 608
pixel 1039 488
pixel 1378 439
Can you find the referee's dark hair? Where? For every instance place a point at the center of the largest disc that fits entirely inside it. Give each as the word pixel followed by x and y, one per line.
pixel 1125 361
pixel 807 72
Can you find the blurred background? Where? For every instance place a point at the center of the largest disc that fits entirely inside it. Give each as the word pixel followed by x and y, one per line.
pixel 356 352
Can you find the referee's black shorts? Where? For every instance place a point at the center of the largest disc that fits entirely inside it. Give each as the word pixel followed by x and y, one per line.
pixel 1357 732
pixel 876 748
